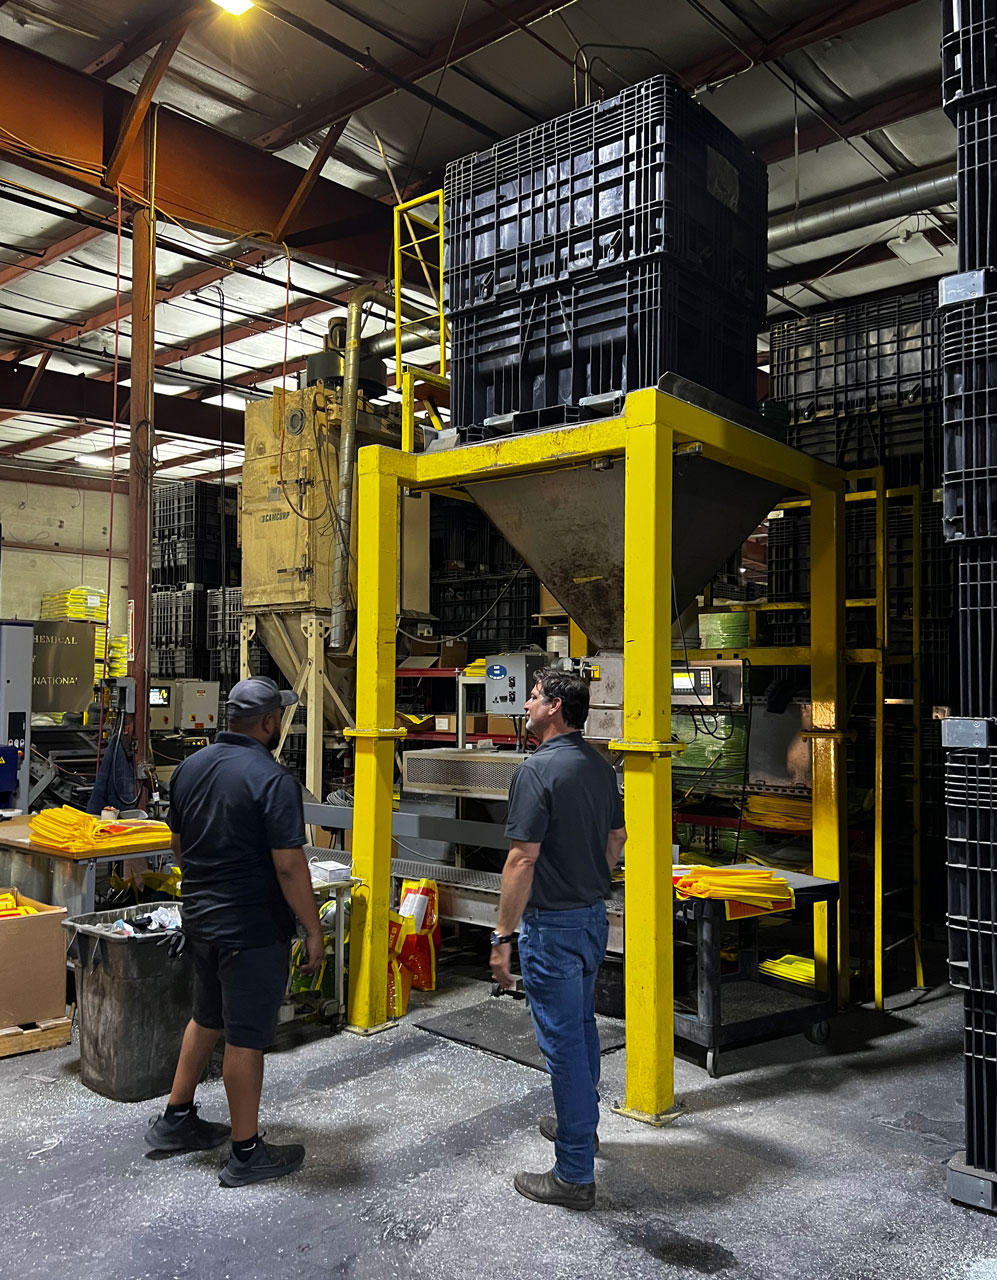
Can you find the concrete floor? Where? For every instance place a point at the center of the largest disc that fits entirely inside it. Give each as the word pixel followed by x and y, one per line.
pixel 799 1162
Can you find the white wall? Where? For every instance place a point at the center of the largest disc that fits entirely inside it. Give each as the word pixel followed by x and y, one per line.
pixel 48 518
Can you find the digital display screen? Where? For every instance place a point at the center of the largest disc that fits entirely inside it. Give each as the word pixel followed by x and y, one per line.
pixel 683 681
pixel 159 696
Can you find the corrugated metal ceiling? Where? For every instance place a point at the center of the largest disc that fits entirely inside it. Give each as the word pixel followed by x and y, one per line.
pixel 250 76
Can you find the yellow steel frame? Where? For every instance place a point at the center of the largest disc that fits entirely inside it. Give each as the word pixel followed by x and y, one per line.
pixel 412 231
pixel 644 439
pixel 881 657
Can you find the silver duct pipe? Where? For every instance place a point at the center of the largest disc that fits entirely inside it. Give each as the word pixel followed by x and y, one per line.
pixel 383 344
pixel 910 194
pixel 348 447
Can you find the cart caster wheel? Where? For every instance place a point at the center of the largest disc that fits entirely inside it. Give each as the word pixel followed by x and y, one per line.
pixel 713 1063
pixel 819 1033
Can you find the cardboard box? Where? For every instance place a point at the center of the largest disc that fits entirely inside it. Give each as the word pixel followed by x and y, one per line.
pixel 501 725
pixel 472 724
pixel 32 964
pixel 452 653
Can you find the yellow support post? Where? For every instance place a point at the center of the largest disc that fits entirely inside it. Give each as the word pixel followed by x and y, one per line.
pixel 375 734
pixel 647 686
pixel 827 690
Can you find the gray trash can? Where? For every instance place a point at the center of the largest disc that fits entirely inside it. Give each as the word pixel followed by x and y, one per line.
pixel 133 1002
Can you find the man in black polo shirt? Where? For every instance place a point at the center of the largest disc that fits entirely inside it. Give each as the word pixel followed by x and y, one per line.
pixel 566 827
pixel 238 831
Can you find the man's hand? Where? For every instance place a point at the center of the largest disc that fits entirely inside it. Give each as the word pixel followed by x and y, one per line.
pixel 315 951
pixel 501 959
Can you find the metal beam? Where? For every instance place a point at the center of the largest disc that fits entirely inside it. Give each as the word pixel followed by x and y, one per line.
pixel 162 28
pixel 140 463
pixel 33 474
pixel 239 191
pixel 60 249
pixel 826 23
pixel 311 175
pixel 102 319
pixel 139 108
pixel 914 102
pixel 66 395
pixel 384 81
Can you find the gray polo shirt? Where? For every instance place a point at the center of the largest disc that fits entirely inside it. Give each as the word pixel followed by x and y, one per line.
pixel 564 797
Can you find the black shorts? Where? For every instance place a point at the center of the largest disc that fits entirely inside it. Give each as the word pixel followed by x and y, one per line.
pixel 239 989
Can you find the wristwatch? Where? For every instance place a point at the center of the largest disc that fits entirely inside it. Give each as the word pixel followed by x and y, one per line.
pixel 500 939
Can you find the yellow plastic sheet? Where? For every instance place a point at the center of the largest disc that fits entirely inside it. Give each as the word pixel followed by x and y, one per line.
pixel 72 831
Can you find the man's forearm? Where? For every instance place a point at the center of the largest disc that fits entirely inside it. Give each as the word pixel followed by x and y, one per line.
pixel 517 881
pixel 296 886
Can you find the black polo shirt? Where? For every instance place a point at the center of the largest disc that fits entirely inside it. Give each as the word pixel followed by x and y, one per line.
pixel 565 798
pixel 231 804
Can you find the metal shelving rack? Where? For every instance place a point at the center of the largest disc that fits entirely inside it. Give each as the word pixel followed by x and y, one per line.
pixel 882 655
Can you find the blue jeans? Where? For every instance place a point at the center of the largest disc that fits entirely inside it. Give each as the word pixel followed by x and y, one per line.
pixel 559 953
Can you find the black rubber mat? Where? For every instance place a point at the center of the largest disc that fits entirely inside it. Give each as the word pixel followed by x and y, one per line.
pixel 504 1027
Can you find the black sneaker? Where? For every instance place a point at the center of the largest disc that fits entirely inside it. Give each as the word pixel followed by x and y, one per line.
pixel 548 1188
pixel 189 1133
pixel 548 1127
pixel 267 1161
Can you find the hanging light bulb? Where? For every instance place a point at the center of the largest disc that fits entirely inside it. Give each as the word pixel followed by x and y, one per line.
pixel 236 7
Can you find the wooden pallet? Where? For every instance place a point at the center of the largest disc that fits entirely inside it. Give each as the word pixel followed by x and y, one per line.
pixel 50 1034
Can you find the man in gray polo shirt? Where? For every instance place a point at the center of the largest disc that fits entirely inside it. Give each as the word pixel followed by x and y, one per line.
pixel 566 827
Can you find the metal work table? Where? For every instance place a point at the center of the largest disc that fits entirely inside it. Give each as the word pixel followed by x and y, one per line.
pixel 748 1006
pixel 48 875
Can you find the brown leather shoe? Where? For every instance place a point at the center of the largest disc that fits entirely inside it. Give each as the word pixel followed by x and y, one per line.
pixel 548 1188
pixel 548 1127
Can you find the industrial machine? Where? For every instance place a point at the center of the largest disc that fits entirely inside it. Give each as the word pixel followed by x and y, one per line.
pixel 509 678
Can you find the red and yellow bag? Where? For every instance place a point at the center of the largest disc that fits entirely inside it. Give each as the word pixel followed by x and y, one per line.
pixel 419 908
pixel 399 978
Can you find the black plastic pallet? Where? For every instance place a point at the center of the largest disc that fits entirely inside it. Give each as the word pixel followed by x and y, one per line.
pixel 646 174
pixel 969 346
pixel 969 52
pixel 976 597
pixel 980 1064
pixel 976 170
pixel 879 354
pixel 531 361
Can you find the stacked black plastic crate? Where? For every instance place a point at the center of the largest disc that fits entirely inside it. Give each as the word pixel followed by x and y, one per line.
pixel 593 253
pixel 969 351
pixel 224 621
pixel 194 549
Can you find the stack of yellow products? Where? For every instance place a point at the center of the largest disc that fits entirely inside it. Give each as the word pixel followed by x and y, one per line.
pixel 78 602
pixel 783 813
pixel 72 831
pixel 755 887
pixel 9 907
pixel 117 655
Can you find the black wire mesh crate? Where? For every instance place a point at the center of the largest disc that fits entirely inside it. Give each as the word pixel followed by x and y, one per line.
pixel 976 619
pixel 645 174
pixel 178 617
pixel 882 353
pixel 906 441
pixel 971 857
pixel 969 53
pixel 178 561
pixel 976 175
pixel 531 361
pixel 179 661
pixel 969 346
pixel 194 509
pixel 224 616
pixel 980 1064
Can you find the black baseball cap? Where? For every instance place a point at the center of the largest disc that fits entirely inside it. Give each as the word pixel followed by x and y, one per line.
pixel 256 696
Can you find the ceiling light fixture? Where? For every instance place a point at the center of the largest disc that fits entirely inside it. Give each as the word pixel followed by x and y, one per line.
pixel 235 7
pixel 92 460
pixel 913 247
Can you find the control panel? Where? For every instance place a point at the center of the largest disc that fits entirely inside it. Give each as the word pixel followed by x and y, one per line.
pixel 509 678
pixel 708 684
pixel 188 705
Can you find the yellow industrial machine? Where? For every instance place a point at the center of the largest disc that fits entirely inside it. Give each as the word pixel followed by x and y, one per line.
pixel 298 529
